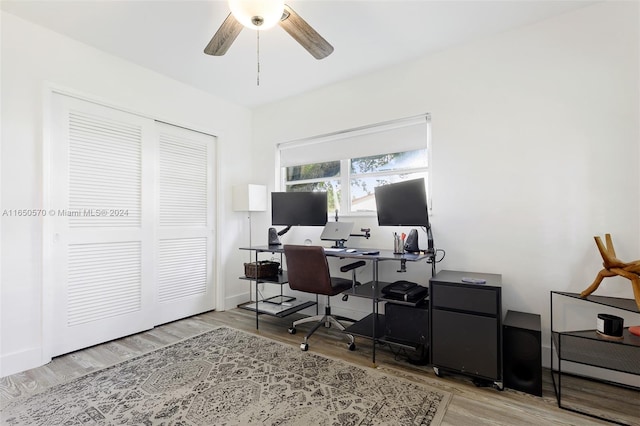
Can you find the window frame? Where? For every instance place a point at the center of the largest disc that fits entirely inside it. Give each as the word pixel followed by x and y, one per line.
pixel 345 175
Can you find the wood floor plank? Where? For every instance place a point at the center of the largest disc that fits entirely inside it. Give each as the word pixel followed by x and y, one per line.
pixel 470 405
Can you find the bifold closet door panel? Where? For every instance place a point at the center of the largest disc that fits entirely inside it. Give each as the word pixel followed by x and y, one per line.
pixel 100 282
pixel 185 232
pixel 129 241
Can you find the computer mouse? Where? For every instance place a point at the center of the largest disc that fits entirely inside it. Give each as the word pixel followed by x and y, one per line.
pixel 350 250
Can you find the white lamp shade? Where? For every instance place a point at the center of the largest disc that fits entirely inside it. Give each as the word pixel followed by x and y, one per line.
pixel 249 198
pixel 270 11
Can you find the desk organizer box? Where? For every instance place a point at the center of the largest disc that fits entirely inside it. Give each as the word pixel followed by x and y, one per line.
pixel 261 269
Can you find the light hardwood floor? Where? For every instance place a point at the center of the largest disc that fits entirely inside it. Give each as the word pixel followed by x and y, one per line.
pixel 470 405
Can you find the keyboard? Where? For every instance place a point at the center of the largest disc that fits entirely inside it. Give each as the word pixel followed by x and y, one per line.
pixel 333 249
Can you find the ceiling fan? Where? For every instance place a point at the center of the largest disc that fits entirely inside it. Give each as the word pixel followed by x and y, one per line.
pixel 263 14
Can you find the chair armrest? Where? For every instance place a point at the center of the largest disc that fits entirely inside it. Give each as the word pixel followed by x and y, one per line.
pixel 353 265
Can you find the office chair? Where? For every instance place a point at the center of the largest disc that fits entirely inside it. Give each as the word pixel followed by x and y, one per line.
pixel 308 271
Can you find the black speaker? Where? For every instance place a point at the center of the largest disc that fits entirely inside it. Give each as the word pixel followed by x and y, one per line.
pixel 274 240
pixel 407 323
pixel 522 347
pixel 411 245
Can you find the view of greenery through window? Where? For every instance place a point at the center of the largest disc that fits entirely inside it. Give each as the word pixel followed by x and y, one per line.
pixel 354 180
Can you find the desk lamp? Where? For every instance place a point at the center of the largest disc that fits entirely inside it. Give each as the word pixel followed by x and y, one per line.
pixel 249 198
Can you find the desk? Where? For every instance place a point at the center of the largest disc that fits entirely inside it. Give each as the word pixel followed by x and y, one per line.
pixel 372 291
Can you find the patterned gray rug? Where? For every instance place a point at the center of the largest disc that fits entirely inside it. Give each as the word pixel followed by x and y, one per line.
pixel 228 377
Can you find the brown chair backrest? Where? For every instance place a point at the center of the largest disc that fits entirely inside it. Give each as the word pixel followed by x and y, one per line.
pixel 307 269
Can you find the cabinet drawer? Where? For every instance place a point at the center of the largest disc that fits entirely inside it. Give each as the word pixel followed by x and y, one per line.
pixel 465 298
pixel 466 343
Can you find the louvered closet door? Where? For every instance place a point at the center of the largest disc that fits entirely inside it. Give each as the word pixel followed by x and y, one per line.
pixel 131 229
pixel 185 223
pixel 102 265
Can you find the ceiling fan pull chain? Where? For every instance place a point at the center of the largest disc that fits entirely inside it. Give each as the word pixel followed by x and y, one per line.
pixel 258 55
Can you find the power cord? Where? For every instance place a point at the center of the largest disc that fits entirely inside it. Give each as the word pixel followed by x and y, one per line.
pixel 434 258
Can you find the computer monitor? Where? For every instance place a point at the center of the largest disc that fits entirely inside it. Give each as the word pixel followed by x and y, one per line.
pixel 298 208
pixel 402 204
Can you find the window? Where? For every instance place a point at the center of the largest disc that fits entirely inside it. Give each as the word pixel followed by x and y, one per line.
pixel 349 165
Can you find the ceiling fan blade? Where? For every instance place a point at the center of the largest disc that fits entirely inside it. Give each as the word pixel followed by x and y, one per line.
pixel 224 37
pixel 302 32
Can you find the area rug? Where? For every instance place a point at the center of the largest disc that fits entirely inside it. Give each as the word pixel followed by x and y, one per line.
pixel 229 377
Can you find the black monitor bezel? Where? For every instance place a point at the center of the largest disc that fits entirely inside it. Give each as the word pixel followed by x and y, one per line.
pixel 312 208
pixel 402 203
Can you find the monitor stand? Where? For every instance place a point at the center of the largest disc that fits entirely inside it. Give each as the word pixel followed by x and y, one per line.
pixel 339 244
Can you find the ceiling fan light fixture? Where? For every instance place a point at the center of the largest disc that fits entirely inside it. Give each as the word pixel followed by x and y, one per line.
pixel 257 14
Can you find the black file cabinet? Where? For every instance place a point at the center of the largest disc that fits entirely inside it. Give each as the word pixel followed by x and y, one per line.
pixel 466 325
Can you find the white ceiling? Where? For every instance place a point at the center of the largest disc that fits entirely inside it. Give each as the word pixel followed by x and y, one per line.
pixel 169 36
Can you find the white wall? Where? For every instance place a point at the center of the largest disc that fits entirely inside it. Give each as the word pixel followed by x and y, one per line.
pixel 34 58
pixel 536 141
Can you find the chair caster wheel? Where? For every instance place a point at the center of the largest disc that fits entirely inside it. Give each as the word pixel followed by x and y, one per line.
pixel 304 347
pixel 292 330
pixel 352 346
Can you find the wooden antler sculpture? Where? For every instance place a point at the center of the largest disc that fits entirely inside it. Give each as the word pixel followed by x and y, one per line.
pixel 614 266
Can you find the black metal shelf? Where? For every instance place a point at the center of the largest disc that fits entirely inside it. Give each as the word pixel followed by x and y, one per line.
pixel 588 347
pixel 422 302
pixel 403 344
pixel 281 278
pixel 365 290
pixel 364 327
pixel 276 310
pixel 614 302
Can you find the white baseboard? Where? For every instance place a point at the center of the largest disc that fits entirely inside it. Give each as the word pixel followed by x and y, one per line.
pixel 231 302
pixel 20 361
pixel 546 361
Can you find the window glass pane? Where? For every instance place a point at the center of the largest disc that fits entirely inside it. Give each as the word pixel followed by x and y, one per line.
pixel 313 171
pixel 366 174
pixel 332 187
pixel 362 189
pixel 388 162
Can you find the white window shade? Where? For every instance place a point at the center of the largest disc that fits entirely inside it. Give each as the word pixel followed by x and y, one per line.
pixel 395 136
